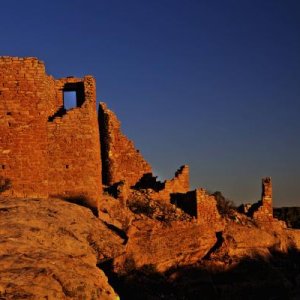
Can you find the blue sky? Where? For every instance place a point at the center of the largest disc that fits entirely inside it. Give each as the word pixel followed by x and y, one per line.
pixel 212 84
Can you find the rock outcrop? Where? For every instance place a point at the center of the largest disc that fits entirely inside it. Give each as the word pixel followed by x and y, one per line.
pixel 50 250
pixel 166 245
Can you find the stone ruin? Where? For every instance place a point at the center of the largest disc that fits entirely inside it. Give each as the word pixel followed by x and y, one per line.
pixel 120 160
pixel 162 190
pixel 263 209
pixel 49 150
pixel 199 204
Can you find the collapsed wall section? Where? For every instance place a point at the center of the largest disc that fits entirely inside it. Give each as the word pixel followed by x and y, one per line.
pixel 120 159
pixel 180 183
pixel 25 103
pixel 73 141
pixel 186 201
pixel 201 205
pixel 163 190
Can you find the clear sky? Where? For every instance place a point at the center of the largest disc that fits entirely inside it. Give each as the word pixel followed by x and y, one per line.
pixel 213 84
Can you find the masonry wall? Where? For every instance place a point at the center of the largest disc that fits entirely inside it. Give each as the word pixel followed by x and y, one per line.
pixel 263 210
pixel 207 211
pixel 186 201
pixel 178 184
pixel 199 204
pixel 121 160
pixel 73 145
pixel 24 111
pixel 44 149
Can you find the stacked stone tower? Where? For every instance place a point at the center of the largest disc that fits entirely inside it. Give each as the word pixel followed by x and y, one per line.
pixel 45 150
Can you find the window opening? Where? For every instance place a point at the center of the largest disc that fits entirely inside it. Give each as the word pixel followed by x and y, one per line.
pixel 70 99
pixel 73 94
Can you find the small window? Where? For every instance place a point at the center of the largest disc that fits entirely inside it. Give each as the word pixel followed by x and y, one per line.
pixel 73 94
pixel 70 99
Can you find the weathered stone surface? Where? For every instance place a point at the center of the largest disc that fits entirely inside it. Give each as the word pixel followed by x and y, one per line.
pixel 180 183
pixel 114 212
pixel 200 204
pixel 294 236
pixel 142 203
pixel 165 245
pixel 121 160
pixel 247 241
pixel 50 250
pixel 163 190
pixel 44 149
pixel 250 241
pixel 263 210
pixel 74 145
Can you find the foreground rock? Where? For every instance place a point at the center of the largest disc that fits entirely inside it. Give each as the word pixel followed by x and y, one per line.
pixel 157 233
pixel 165 245
pixel 169 256
pixel 49 249
pixel 182 262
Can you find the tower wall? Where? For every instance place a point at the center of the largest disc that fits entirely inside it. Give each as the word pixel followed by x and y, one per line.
pixel 24 97
pixel 44 149
pixel 73 145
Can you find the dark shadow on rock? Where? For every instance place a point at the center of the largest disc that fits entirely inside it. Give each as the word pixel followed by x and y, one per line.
pixel 103 123
pixel 217 245
pixel 5 184
pixel 79 200
pixel 185 202
pixel 118 231
pixel 114 189
pixel 257 278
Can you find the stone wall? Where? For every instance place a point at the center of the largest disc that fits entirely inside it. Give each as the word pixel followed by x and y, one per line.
pixel 199 204
pixel 178 184
pixel 45 149
pixel 207 211
pixel 24 111
pixel 181 181
pixel 121 160
pixel 186 201
pixel 263 210
pixel 74 147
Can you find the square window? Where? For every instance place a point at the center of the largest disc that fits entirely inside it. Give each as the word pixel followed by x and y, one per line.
pixel 70 99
